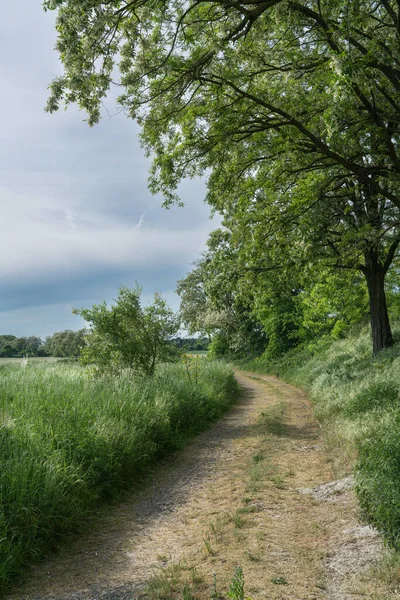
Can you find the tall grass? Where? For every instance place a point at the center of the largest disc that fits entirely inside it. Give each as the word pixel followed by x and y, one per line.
pixel 68 442
pixel 357 400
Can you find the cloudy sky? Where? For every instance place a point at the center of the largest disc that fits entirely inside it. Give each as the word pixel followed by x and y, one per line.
pixel 77 218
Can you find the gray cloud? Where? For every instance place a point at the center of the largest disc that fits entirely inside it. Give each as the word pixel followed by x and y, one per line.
pixel 77 218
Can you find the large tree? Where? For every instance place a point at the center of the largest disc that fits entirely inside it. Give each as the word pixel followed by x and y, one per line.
pixel 216 299
pixel 292 104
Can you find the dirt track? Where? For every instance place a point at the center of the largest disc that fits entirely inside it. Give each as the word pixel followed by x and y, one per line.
pixel 234 496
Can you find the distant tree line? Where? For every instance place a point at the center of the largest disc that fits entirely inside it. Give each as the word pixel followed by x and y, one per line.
pixel 64 344
pixel 199 344
pixel 69 344
pixel 12 346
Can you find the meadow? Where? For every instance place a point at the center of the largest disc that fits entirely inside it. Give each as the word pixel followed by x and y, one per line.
pixel 70 441
pixel 357 401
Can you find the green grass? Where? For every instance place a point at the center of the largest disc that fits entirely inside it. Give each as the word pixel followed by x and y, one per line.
pixel 69 442
pixel 357 400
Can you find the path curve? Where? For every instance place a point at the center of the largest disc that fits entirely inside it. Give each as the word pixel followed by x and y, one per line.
pixel 189 513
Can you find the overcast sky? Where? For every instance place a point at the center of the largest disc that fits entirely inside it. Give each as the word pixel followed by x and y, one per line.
pixel 77 218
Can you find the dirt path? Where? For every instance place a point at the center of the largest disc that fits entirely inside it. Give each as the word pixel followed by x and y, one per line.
pixel 234 496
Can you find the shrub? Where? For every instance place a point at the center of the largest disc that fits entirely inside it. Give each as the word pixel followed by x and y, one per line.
pixel 129 336
pixel 377 395
pixel 378 480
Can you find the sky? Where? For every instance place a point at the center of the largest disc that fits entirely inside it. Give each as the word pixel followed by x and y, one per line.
pixel 77 219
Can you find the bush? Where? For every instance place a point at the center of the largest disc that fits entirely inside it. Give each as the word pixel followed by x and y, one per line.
pixel 68 441
pixel 128 335
pixel 377 395
pixel 378 480
pixel 219 346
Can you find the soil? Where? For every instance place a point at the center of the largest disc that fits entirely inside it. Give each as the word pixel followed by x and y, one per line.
pixel 255 490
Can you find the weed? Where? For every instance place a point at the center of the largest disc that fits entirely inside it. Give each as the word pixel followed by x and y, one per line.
pixel 187 593
pixel 278 481
pixel 195 577
pixel 388 569
pixel 258 458
pixel 207 544
pixel 238 521
pixel 161 586
pixel 253 556
pixel 236 588
pixel 239 535
pixel 246 510
pixel 214 593
pixel 279 581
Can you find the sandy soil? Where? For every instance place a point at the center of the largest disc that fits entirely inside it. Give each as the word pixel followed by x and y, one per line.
pixel 250 491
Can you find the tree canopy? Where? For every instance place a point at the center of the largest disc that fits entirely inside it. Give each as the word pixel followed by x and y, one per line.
pixel 291 108
pixel 66 344
pixel 128 335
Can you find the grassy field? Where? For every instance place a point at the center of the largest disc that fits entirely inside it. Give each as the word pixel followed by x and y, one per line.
pixel 69 441
pixel 357 401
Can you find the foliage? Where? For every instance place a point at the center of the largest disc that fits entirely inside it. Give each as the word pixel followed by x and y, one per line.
pixel 290 108
pixel 199 344
pixel 219 346
pixel 195 305
pixel 68 442
pixel 11 346
pixel 236 587
pixel 378 477
pixel 253 311
pixel 225 309
pixel 127 335
pixel 66 344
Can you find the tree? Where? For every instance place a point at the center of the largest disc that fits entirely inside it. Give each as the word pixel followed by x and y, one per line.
pixel 292 105
pixel 66 344
pixel 212 301
pixel 11 346
pixel 127 335
pixel 195 305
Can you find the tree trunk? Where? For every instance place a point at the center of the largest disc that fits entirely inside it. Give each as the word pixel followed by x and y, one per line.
pixel 375 273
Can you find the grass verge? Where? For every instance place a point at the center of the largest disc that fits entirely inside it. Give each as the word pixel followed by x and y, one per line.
pixel 69 442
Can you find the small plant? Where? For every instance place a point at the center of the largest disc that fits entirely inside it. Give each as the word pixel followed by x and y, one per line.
pixel 253 556
pixel 192 366
pixel 196 578
pixel 187 593
pixel 279 581
pixel 236 588
pixel 258 458
pixel 238 520
pixel 278 481
pixel 214 594
pixel 207 544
